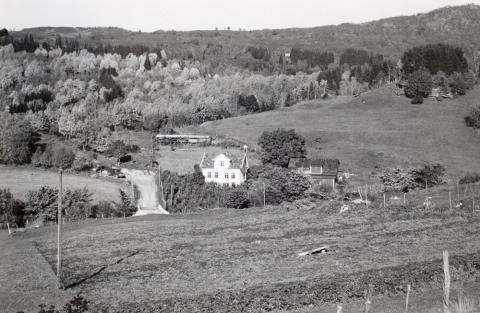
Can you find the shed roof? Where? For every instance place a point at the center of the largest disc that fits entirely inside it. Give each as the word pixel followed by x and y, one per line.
pixel 329 166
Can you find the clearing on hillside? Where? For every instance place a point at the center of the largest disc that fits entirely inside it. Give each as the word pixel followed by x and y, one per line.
pixel 371 132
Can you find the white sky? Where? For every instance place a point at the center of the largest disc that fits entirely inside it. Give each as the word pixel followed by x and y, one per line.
pixel 150 15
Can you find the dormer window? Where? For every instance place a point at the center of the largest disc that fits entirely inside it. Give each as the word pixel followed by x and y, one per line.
pixel 222 163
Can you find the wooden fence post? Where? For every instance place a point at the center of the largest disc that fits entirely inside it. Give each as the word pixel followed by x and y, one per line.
pixel 450 199
pixel 404 198
pixel 339 308
pixel 446 283
pixel 384 201
pixel 368 300
pixel 407 299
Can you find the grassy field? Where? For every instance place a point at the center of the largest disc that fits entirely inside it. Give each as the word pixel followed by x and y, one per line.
pixel 21 180
pixel 384 131
pixel 247 261
pixel 181 160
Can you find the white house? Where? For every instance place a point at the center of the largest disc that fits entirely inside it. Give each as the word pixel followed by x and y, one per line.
pixel 224 169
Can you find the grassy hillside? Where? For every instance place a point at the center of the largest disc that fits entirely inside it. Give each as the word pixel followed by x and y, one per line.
pixel 247 260
pixel 391 36
pixel 374 131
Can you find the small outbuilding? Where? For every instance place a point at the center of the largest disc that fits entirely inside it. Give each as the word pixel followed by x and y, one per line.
pixel 324 172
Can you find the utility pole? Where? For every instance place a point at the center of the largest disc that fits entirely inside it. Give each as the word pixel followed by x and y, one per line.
pixel 59 238
pixel 171 197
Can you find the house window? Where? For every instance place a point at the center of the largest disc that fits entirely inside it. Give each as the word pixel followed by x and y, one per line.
pixel 222 163
pixel 232 175
pixel 209 174
pixel 226 175
pixel 216 174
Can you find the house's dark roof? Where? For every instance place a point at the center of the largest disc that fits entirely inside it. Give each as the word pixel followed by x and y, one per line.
pixel 330 166
pixel 236 162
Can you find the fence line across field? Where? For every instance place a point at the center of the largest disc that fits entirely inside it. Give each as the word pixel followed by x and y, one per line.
pixel 453 196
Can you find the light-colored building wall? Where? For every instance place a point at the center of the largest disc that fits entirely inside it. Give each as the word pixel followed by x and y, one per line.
pixel 221 173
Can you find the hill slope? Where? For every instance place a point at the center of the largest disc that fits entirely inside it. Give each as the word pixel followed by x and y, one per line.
pixel 458 25
pixel 384 131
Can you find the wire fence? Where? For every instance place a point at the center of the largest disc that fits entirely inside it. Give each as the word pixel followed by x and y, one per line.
pixel 448 196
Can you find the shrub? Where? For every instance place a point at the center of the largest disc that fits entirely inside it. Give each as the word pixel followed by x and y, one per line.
pixel 428 175
pixel 126 207
pixel 419 84
pixel 470 178
pixel 155 122
pixel 458 84
pixel 283 184
pixel 237 198
pixel 397 179
pixel 77 204
pixel 63 157
pixel 12 210
pixel 117 149
pixel 42 203
pixel 280 145
pixel 473 119
pixel 54 156
pixel 104 209
pixel 82 163
pixel 417 100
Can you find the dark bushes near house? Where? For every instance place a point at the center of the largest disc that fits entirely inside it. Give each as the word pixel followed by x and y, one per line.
pixel 280 145
pixel 470 178
pixel 417 100
pixel 281 184
pixel 238 198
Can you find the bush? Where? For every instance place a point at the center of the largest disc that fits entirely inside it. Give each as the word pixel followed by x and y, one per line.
pixel 77 204
pixel 82 163
pixel 237 198
pixel 54 156
pixel 155 122
pixel 397 179
pixel 473 120
pixel 419 84
pixel 117 149
pixel 417 100
pixel 428 175
pixel 283 185
pixel 104 209
pixel 280 145
pixel 12 211
pixel 63 157
pixel 42 203
pixel 470 178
